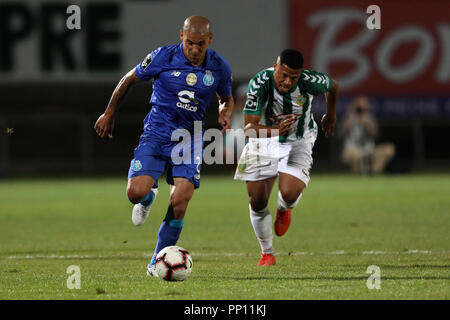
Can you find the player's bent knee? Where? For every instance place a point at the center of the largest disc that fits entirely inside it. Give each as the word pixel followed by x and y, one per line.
pixel 135 194
pixel 258 204
pixel 291 196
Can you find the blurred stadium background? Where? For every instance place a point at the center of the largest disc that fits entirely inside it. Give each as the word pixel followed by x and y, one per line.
pixel 55 82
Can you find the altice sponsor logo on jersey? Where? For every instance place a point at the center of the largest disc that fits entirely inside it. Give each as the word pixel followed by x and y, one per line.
pixel 186 97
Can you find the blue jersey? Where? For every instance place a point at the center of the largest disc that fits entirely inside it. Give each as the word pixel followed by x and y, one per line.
pixel 181 92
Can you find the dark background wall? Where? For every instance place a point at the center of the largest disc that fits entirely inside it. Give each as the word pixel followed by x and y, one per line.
pixel 55 82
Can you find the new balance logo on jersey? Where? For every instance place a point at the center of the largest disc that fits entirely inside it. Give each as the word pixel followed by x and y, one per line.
pixel 186 97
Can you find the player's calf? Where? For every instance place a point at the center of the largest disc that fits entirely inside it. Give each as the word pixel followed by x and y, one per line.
pixel 168 234
pixel 179 203
pixel 170 229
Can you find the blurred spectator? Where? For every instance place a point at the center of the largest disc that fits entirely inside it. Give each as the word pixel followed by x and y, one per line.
pixel 359 131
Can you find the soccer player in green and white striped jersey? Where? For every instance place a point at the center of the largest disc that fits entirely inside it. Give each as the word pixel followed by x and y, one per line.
pixel 279 119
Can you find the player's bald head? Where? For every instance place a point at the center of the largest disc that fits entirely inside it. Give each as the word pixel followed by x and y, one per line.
pixel 197 25
pixel 196 36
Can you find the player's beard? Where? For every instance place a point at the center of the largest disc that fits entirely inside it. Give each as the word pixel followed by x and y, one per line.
pixel 195 58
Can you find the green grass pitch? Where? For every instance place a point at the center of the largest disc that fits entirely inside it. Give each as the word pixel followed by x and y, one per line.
pixel 342 225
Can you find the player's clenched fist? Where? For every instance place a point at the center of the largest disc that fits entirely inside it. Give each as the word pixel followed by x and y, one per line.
pixel 286 123
pixel 104 126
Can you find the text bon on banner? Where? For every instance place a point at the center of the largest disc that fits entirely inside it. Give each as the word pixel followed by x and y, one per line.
pixel 409 54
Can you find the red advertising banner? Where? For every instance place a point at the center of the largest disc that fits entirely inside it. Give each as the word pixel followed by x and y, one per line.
pixel 409 54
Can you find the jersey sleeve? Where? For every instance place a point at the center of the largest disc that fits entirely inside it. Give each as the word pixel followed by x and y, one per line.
pixel 257 95
pixel 150 66
pixel 316 82
pixel 225 85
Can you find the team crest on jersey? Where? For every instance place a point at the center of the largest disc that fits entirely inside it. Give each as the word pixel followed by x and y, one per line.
pixel 242 166
pixel 300 101
pixel 208 78
pixel 137 165
pixel 191 79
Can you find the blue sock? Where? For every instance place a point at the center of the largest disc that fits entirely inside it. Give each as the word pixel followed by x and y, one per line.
pixel 148 199
pixel 168 235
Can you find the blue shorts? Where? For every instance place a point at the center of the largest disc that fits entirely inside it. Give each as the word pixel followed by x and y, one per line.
pixel 152 157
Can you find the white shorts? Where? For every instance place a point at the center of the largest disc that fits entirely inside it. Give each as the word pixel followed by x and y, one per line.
pixel 263 158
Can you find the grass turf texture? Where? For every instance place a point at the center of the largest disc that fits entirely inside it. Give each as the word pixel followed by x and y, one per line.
pixel 343 225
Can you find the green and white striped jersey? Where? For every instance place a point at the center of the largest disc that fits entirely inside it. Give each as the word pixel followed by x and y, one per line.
pixel 263 99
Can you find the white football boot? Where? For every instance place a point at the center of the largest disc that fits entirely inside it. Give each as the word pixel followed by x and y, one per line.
pixel 151 271
pixel 140 212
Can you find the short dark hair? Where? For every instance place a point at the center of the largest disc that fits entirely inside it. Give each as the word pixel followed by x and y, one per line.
pixel 292 58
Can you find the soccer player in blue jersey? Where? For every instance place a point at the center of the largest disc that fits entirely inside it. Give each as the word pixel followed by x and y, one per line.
pixel 186 77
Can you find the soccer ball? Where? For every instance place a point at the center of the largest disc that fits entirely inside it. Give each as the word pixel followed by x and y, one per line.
pixel 173 263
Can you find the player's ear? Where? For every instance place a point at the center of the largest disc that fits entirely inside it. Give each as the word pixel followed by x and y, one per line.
pixel 276 63
pixel 210 38
pixel 181 35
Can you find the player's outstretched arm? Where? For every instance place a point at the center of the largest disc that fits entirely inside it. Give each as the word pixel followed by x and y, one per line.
pixel 105 123
pixel 226 107
pixel 329 118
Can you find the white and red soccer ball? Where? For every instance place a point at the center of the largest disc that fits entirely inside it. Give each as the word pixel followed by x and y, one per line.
pixel 173 263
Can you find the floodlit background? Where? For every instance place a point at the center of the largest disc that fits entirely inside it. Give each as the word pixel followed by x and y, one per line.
pixel 55 82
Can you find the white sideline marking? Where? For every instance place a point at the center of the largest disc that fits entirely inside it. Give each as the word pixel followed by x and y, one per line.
pixel 226 254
